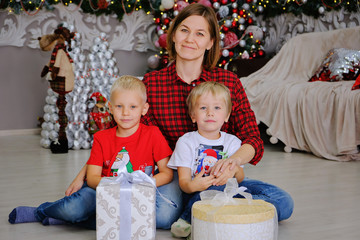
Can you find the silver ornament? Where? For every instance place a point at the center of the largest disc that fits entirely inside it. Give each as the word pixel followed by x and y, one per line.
pixel 53 135
pixel 242 43
pixel 45 134
pixel 225 53
pixel 216 5
pixel 47 117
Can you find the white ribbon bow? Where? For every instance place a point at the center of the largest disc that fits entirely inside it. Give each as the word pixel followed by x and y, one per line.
pixel 219 198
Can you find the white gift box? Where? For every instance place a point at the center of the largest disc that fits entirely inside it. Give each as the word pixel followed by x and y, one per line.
pixel 232 222
pixel 125 208
pixel 218 216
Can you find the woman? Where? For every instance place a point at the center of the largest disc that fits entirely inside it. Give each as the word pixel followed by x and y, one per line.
pixel 193 45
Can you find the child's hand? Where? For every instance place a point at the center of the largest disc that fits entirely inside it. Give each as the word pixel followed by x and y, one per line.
pixel 74 187
pixel 201 183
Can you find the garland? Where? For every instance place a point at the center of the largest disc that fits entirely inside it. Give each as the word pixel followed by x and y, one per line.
pixel 266 8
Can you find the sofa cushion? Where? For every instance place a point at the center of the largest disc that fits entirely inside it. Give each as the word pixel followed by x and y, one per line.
pixel 338 64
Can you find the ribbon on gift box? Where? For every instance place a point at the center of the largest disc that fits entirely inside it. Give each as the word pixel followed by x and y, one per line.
pixel 137 177
pixel 126 181
pixel 218 199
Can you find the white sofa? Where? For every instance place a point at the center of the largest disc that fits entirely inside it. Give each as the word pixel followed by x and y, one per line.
pixel 318 117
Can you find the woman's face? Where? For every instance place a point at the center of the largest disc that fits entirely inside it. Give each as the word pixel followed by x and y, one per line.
pixel 192 38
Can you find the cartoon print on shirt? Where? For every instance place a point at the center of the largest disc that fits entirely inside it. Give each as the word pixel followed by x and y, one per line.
pixel 207 156
pixel 122 163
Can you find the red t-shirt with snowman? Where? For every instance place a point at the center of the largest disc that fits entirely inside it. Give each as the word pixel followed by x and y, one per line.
pixel 139 151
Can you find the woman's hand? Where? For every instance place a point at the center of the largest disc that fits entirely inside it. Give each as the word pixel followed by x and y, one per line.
pixel 227 173
pixel 223 165
pixel 242 156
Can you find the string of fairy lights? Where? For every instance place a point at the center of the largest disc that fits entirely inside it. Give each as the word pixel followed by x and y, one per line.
pixel 267 8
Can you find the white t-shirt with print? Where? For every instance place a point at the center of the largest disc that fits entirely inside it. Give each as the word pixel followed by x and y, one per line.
pixel 196 152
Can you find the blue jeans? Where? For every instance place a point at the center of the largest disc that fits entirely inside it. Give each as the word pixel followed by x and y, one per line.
pixel 80 208
pixel 167 214
pixel 282 201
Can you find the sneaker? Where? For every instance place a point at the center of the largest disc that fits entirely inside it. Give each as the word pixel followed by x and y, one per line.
pixel 180 228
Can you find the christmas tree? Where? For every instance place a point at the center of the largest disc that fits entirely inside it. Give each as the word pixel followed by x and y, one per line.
pixel 241 37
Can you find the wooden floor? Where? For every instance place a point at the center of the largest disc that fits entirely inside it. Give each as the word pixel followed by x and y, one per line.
pixel 326 193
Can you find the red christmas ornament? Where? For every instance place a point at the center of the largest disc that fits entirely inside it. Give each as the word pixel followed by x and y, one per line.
pixel 251 34
pixel 205 3
pixel 166 21
pixel 241 13
pixel 162 40
pixel 225 29
pixel 164 60
pixel 250 21
pixel 230 40
pixel 157 20
pixel 231 54
pixel 254 54
pixel 234 24
pixel 248 1
pixel 223 62
pixel 223 2
pixel 103 4
pixel 180 5
pixel 261 53
pixel 234 10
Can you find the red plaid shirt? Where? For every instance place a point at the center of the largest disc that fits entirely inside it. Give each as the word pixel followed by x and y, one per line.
pixel 167 94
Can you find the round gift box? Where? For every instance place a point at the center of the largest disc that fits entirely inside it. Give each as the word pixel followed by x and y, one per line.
pixel 243 220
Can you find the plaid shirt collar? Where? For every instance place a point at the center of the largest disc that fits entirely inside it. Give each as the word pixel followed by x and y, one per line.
pixel 204 76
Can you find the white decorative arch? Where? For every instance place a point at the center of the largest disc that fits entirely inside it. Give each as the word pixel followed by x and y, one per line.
pixel 283 27
pixel 134 33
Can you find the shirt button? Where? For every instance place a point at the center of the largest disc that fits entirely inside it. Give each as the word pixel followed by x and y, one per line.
pixel 194 85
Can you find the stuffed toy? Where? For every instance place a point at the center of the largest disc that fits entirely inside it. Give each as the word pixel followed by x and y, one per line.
pixel 99 116
pixel 59 72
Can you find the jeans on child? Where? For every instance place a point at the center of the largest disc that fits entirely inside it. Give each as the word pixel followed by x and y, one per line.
pixel 80 207
pixel 167 214
pixel 282 201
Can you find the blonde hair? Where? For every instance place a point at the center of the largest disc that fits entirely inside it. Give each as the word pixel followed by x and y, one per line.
pixel 215 88
pixel 128 82
pixel 211 56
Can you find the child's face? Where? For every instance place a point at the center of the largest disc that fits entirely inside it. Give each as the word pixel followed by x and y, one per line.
pixel 127 107
pixel 210 112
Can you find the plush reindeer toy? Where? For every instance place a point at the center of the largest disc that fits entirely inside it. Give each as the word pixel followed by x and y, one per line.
pixel 59 72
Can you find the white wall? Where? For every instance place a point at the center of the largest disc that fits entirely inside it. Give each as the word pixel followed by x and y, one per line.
pixel 23 91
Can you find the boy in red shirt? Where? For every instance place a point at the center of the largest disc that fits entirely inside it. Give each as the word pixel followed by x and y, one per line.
pixel 128 147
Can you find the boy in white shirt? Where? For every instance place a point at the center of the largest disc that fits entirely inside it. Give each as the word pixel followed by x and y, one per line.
pixel 196 152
